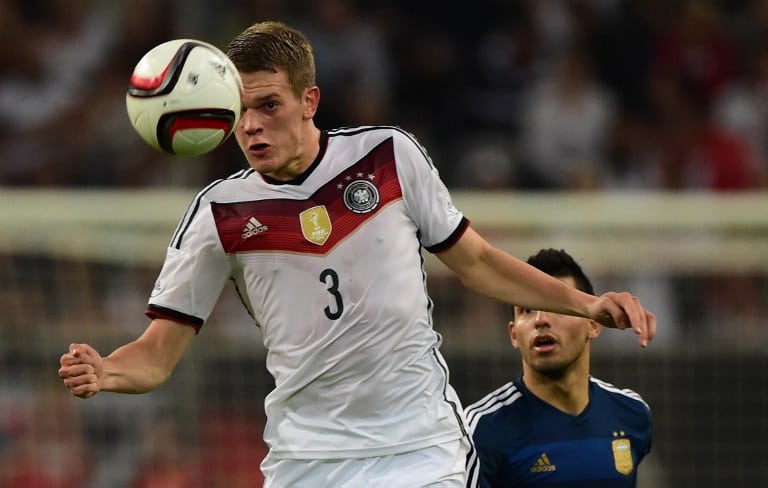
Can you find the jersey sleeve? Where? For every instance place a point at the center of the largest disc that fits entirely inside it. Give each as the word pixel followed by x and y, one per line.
pixel 646 433
pixel 426 197
pixel 194 272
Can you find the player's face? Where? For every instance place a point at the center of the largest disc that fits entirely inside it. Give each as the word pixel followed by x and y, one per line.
pixel 274 130
pixel 551 344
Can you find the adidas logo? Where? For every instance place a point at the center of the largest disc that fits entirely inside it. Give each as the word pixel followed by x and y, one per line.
pixel 253 227
pixel 542 465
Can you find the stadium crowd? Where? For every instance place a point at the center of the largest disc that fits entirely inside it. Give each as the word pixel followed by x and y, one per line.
pixel 540 95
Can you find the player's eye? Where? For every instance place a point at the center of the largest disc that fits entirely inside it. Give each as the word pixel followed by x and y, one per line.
pixel 520 311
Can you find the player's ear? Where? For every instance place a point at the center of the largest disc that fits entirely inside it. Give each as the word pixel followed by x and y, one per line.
pixel 594 329
pixel 513 334
pixel 311 101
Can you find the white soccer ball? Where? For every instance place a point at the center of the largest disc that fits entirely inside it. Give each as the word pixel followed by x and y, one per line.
pixel 184 97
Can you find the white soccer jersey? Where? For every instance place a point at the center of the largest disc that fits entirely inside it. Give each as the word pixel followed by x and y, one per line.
pixel 330 267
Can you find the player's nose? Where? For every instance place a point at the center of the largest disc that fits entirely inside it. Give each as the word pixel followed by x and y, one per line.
pixel 541 319
pixel 250 122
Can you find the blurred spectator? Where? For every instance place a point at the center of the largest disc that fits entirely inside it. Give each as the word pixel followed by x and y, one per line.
pixel 166 457
pixel 554 30
pixel 621 43
pixel 111 153
pixel 232 449
pixel 486 163
pixel 743 109
pixel 206 20
pixel 49 56
pixel 696 51
pixel 568 116
pixel 43 444
pixel 697 154
pixel 632 155
pixel 63 44
pixel 354 72
pixel 506 55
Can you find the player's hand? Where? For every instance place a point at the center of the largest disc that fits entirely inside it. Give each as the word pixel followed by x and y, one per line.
pixel 82 370
pixel 623 310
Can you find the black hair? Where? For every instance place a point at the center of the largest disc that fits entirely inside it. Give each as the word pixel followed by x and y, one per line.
pixel 560 264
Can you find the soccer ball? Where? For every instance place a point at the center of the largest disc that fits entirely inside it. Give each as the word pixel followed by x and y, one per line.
pixel 184 97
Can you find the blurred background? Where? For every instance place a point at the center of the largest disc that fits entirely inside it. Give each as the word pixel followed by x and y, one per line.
pixel 631 133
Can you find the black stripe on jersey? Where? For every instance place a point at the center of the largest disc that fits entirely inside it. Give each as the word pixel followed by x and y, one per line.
pixel 350 131
pixel 472 467
pixel 452 239
pixel 453 405
pixel 430 303
pixel 194 207
pixel 158 312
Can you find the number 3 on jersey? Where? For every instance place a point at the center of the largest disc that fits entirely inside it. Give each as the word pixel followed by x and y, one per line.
pixel 331 279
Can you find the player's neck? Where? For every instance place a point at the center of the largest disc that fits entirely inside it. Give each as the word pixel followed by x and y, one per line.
pixel 308 152
pixel 312 145
pixel 568 392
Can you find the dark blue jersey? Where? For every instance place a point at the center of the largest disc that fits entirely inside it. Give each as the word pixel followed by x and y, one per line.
pixel 521 441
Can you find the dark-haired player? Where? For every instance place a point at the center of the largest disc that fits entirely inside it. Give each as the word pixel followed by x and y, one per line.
pixel 557 426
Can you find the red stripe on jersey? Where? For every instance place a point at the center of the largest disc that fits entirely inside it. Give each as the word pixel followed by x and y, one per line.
pixel 275 225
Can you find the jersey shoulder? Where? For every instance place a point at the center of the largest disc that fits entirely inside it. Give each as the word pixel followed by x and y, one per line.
pixel 370 131
pixel 371 135
pixel 625 396
pixel 623 402
pixel 233 185
pixel 493 405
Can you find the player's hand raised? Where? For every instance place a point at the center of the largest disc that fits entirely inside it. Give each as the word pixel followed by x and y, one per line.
pixel 623 310
pixel 82 370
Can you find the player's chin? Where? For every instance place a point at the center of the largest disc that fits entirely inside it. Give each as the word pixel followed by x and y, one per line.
pixel 548 365
pixel 262 164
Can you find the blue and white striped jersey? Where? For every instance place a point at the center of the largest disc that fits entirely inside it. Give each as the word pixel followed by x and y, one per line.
pixel 522 441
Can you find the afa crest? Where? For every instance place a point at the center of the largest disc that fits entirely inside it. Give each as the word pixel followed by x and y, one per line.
pixel 622 455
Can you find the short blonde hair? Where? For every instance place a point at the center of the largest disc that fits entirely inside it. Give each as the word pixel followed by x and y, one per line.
pixel 274 46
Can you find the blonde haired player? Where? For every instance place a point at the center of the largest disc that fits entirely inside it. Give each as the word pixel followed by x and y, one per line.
pixel 323 237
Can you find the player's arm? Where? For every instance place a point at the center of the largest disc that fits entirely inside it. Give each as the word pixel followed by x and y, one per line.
pixel 492 272
pixel 136 367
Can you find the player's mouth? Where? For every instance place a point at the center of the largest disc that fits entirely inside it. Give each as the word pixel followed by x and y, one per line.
pixel 258 149
pixel 544 343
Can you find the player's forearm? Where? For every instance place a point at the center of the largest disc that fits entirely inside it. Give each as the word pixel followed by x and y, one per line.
pixel 492 272
pixel 134 368
pixel 537 290
pixel 511 280
pixel 147 362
